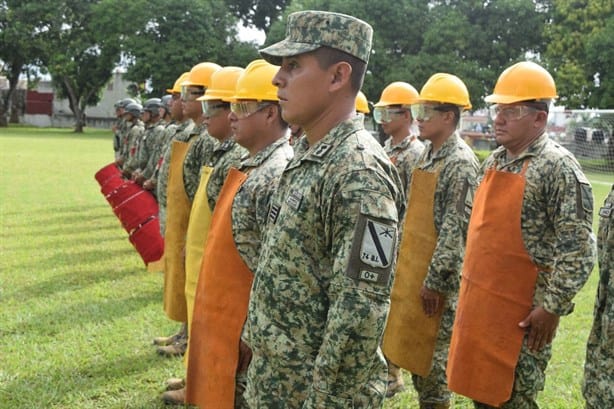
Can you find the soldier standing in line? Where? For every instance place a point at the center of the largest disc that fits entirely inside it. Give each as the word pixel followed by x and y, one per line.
pixel 217 363
pixel 393 113
pixel 426 283
pixel 530 249
pixel 152 137
pixel 321 290
pixel 598 385
pixel 135 129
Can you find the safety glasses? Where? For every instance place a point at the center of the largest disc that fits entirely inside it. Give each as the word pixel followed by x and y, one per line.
pixel 425 112
pixel 244 109
pixel 211 109
pixel 510 112
pixel 384 115
pixel 191 93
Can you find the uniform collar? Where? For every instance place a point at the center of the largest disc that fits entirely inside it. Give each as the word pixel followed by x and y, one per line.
pixel 534 149
pixel 257 160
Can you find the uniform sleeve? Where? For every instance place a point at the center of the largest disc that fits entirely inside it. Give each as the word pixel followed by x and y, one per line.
pixel 453 202
pixel 361 220
pixel 571 207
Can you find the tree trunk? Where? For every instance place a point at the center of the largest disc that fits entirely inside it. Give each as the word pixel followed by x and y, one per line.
pixel 14 118
pixel 75 106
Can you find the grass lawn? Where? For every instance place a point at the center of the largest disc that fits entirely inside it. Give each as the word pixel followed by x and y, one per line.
pixel 78 310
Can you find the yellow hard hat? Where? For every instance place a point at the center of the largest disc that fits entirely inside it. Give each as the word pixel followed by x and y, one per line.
pixel 362 105
pixel 446 89
pixel 223 83
pixel 200 74
pixel 523 81
pixel 256 82
pixel 398 93
pixel 177 86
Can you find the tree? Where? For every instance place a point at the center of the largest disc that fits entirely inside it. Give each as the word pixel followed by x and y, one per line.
pixel 21 22
pixel 162 41
pixel 81 55
pixel 574 23
pixel 258 13
pixel 413 39
pixel 600 61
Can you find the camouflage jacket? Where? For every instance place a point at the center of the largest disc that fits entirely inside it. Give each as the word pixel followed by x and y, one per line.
pixel 321 292
pixel 170 129
pixel 556 220
pixel 182 133
pixel 199 153
pixel 251 203
pixel 133 132
pixel 150 151
pixel 225 155
pixel 458 169
pixel 405 156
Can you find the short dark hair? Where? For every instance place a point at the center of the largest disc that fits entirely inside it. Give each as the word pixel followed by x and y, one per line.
pixel 455 109
pixel 328 56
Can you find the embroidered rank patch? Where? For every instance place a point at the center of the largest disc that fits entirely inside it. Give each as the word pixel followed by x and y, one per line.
pixel 606 211
pixel 273 213
pixel 377 244
pixel 321 150
pixel 294 199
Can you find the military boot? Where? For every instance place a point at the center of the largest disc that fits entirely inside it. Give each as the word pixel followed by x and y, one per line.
pixel 395 380
pixel 164 341
pixel 176 397
pixel 430 405
pixel 173 384
pixel 174 349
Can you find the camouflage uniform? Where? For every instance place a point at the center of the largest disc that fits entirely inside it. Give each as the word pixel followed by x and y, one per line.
pixel 404 155
pixel 249 212
pixel 132 132
pixel 458 168
pixel 598 386
pixel 225 155
pixel 120 129
pixel 150 150
pixel 133 140
pixel 321 293
pixel 153 166
pixel 199 152
pixel 556 224
pixel 182 133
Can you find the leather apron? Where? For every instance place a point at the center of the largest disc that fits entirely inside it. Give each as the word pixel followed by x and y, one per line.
pixel 196 237
pixel 177 215
pixel 496 293
pixel 220 309
pixel 410 335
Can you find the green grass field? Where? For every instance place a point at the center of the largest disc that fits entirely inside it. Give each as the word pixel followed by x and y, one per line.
pixel 78 310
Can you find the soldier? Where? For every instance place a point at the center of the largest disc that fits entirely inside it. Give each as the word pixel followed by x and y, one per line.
pixel 530 249
pixel 216 362
pixel 321 291
pixel 169 127
pixel 599 367
pixel 150 141
pixel 213 149
pixel 393 113
pixel 178 204
pixel 135 129
pixel 426 283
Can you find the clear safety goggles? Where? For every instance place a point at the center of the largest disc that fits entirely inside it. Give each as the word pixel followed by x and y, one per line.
pixel 425 112
pixel 510 112
pixel 244 109
pixel 213 108
pixel 191 93
pixel 384 115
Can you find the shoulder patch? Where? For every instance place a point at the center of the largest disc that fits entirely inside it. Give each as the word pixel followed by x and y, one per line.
pixel 373 250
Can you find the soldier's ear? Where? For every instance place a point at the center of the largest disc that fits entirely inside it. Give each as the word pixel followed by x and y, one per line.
pixel 340 75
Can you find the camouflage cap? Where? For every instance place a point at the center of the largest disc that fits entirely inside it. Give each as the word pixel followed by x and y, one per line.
pixel 309 30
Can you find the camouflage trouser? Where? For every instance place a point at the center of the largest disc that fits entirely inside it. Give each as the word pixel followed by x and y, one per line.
pixel 162 218
pixel 529 379
pixel 240 383
pixel 434 387
pixel 597 387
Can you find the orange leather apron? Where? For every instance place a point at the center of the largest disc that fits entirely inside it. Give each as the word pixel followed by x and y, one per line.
pixel 220 309
pixel 496 293
pixel 196 237
pixel 177 215
pixel 409 338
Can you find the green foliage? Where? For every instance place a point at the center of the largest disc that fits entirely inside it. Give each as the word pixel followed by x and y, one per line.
pixel 162 40
pixel 578 33
pixel 414 39
pixel 258 13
